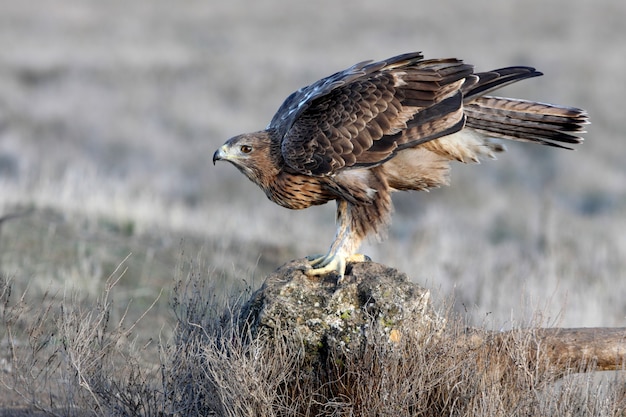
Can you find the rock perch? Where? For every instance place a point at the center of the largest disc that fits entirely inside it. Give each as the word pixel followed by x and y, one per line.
pixel 371 301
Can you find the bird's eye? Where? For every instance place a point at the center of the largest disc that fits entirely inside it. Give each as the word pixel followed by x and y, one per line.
pixel 246 148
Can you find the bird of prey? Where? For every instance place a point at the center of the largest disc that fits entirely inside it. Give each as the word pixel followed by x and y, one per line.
pixel 393 125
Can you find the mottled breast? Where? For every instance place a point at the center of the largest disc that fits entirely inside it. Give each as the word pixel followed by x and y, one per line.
pixel 298 192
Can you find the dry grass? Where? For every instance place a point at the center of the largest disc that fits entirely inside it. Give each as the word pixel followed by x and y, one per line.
pixel 66 355
pixel 65 360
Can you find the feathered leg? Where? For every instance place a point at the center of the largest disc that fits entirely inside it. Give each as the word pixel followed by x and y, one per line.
pixel 342 249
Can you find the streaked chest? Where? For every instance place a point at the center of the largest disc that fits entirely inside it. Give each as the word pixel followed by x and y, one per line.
pixel 298 192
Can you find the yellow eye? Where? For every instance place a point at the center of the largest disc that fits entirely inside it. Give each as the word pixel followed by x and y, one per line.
pixel 246 148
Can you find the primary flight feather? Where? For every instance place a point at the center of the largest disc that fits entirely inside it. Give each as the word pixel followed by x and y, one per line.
pixel 377 127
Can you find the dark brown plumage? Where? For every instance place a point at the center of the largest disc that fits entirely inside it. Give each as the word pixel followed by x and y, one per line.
pixel 378 127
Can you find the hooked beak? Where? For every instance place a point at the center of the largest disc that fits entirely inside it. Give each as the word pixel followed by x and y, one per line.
pixel 219 154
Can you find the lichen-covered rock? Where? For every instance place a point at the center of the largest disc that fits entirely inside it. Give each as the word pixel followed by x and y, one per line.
pixel 372 300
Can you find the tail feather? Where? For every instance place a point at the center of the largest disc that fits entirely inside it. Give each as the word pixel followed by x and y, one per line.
pixel 526 121
pixel 516 119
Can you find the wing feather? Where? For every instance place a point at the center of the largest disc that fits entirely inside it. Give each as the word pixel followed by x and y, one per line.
pixel 493 80
pixel 363 119
pixel 299 101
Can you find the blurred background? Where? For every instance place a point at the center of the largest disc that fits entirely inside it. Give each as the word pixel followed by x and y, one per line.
pixel 111 110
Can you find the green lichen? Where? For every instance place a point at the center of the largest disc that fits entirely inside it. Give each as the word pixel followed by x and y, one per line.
pixel 345 315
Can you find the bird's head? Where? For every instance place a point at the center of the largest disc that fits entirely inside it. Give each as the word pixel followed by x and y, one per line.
pixel 250 153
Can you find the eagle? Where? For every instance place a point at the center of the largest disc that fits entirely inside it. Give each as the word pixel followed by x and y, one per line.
pixel 393 125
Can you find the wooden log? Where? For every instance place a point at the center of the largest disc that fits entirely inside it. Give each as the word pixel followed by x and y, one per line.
pixel 569 350
pixel 554 352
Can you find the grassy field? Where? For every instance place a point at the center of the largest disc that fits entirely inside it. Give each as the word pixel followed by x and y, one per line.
pixel 110 112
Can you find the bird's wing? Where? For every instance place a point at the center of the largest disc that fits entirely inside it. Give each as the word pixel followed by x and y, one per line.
pixel 360 117
pixel 485 82
pixel 301 100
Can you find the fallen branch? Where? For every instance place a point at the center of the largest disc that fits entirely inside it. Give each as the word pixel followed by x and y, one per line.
pixel 552 351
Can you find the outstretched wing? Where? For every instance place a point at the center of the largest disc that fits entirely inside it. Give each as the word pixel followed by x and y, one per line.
pixel 301 100
pixel 361 116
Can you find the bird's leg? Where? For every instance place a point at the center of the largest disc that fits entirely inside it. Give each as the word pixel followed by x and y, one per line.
pixel 342 249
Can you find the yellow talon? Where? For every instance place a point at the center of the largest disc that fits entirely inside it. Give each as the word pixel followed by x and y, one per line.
pixel 341 251
pixel 323 265
pixel 316 259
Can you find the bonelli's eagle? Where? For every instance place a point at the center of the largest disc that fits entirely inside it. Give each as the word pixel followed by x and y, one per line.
pixel 377 127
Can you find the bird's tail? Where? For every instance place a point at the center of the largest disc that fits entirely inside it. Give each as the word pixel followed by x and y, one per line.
pixel 520 120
